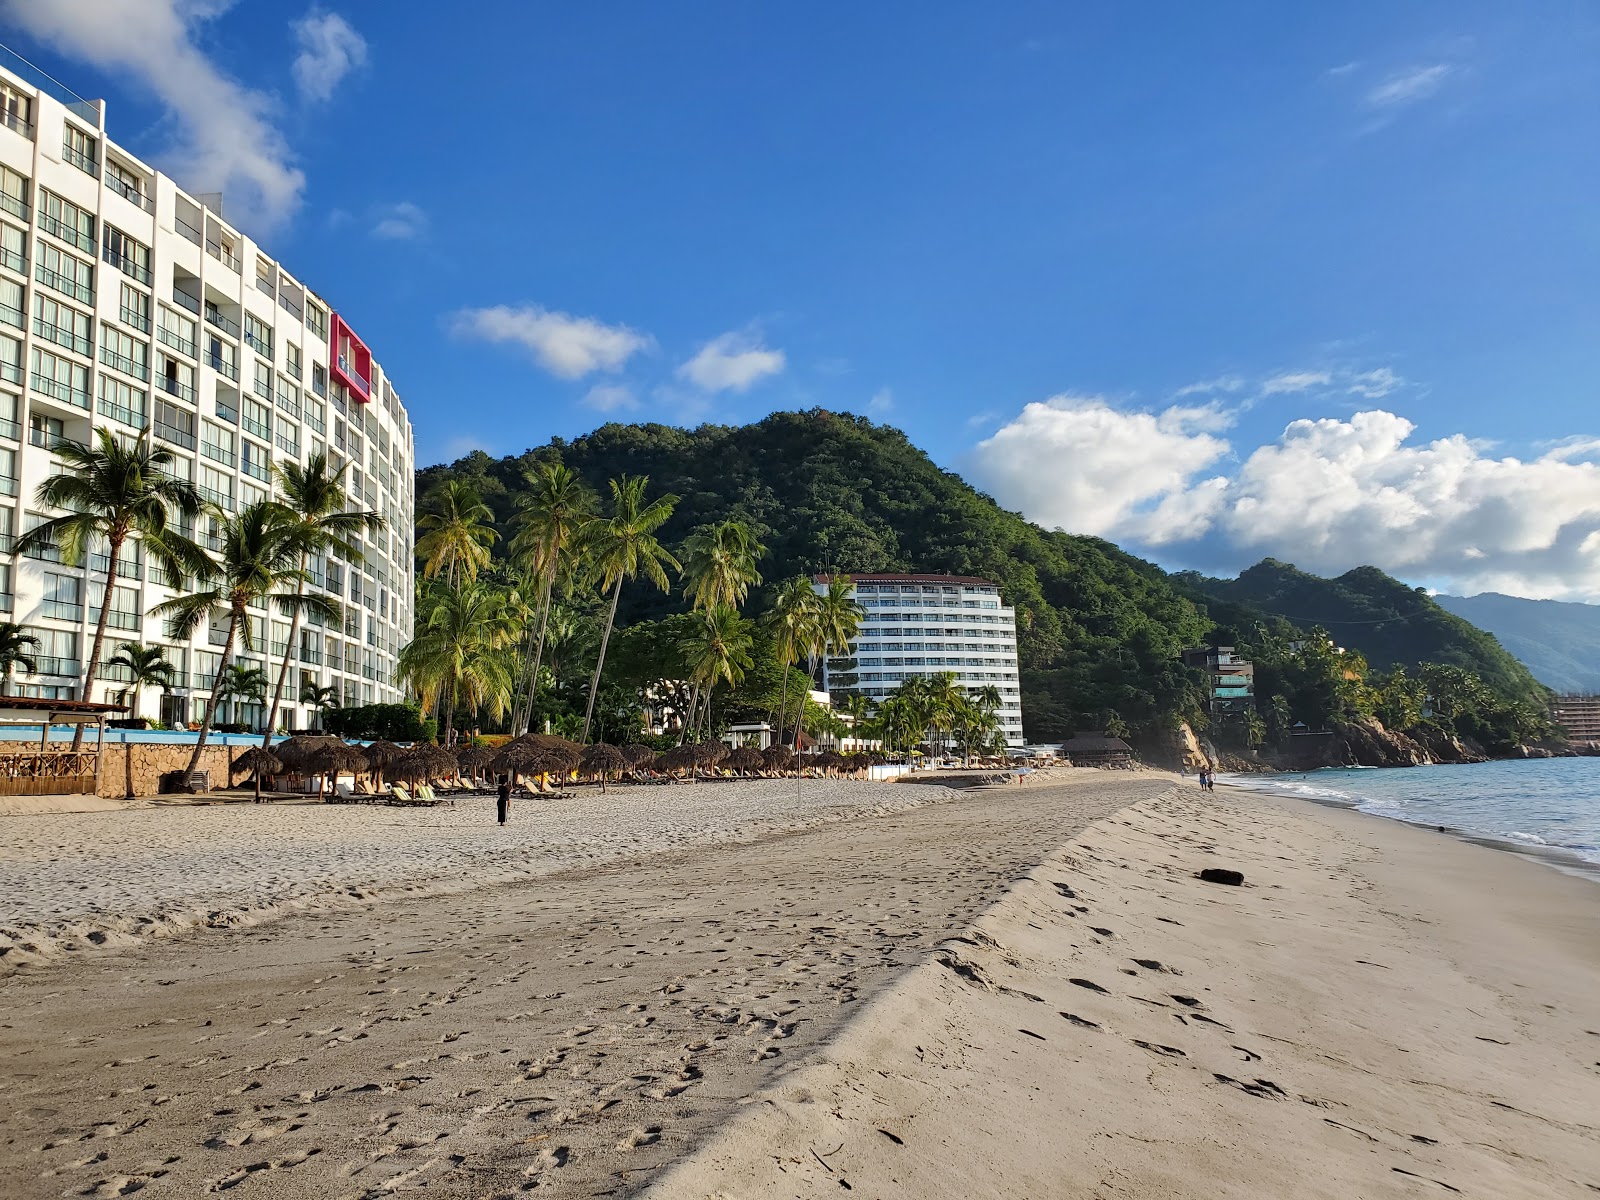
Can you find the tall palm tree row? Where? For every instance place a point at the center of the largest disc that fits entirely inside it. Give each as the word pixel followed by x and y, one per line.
pixel 718 652
pixel 552 516
pixel 622 546
pixel 262 549
pixel 314 494
pixel 719 568
pixel 454 535
pixel 792 623
pixel 112 491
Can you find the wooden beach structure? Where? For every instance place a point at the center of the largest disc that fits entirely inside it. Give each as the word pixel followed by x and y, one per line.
pixel 36 769
pixel 1097 750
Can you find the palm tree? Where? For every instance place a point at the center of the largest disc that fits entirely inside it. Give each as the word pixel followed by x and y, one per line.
pixel 944 699
pixel 858 708
pixel 719 565
pixel 454 534
pixel 17 648
pixel 792 622
pixel 319 697
pixel 551 517
pixel 458 652
pixel 622 546
pixel 837 620
pixel 112 491
pixel 315 495
pixel 242 681
pixel 147 666
pixel 718 651
pixel 260 556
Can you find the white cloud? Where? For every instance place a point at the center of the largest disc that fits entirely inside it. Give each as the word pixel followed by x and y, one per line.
pixel 399 222
pixel 1295 381
pixel 1374 385
pixel 731 362
pixel 224 137
pixel 1207 387
pixel 1327 494
pixel 881 404
pixel 329 50
pixel 1412 84
pixel 567 346
pixel 1342 69
pixel 1078 463
pixel 611 397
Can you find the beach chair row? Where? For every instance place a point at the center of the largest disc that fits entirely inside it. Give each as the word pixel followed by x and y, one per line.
pixel 396 794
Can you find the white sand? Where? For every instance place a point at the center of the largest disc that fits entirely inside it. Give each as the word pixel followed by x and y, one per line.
pixel 1381 1012
pixel 72 881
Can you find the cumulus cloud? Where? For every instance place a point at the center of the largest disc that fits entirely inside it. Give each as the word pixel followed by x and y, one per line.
pixel 1327 494
pixel 399 222
pixel 610 398
pixel 224 140
pixel 1079 463
pixel 731 363
pixel 1408 86
pixel 566 346
pixel 329 50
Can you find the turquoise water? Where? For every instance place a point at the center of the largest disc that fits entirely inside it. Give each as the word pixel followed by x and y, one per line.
pixel 1549 806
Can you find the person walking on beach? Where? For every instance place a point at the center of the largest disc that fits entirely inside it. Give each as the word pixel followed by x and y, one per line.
pixel 504 801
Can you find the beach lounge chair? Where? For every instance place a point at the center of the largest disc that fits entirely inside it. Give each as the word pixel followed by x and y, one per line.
pixel 399 795
pixel 343 793
pixel 425 795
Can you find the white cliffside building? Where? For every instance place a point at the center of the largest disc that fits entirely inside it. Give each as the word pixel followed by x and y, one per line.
pixel 129 304
pixel 919 626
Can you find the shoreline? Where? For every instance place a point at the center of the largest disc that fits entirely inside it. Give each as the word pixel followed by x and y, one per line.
pixel 1567 861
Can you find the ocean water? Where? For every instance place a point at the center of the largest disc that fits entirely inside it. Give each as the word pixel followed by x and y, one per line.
pixel 1548 807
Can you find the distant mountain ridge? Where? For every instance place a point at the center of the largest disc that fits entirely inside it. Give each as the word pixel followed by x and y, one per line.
pixel 1391 623
pixel 1558 641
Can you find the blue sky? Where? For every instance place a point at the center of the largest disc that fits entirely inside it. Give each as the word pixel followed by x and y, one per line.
pixel 1101 261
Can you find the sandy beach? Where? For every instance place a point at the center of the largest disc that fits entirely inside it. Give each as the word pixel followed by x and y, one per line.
pixel 903 991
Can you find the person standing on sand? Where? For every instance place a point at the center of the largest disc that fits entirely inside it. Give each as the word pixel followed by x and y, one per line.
pixel 504 801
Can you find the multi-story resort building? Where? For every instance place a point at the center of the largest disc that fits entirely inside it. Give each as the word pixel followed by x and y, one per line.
pixel 1231 682
pixel 1579 715
pixel 129 304
pixel 919 626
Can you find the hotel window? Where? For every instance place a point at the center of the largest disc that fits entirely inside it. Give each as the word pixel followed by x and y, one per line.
pixel 127 184
pixel 128 256
pixel 319 379
pixel 11 301
pixel 317 320
pixel 16 109
pixel 61 272
pixel 125 607
pixel 254 461
pixel 258 335
pixel 120 352
pixel 63 326
pixel 292 361
pixel 63 597
pixel 13 249
pixel 288 438
pixel 14 193
pixel 263 385
pixel 217 443
pixel 174 425
pixel 134 309
pixel 60 378
pixel 256 418
pixel 81 150
pixel 122 401
pixel 249 496
pixel 176 379
pixel 57 653
pixel 65 220
pixel 217 487
pixel 266 277
pixel 176 330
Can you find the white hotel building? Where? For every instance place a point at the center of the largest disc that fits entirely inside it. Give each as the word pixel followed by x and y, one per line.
pixel 919 626
pixel 128 304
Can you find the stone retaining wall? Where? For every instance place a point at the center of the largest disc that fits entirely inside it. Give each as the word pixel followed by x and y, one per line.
pixel 147 762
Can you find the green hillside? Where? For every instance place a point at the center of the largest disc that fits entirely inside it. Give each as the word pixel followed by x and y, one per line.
pixel 1390 623
pixel 1098 630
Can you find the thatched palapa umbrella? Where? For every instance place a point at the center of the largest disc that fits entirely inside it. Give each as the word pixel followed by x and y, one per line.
pixel 379 755
pixel 427 762
pixel 537 754
pixel 639 755
pixel 676 759
pixel 707 754
pixel 258 762
pixel 602 760
pixel 777 758
pixel 744 760
pixel 474 758
pixel 333 758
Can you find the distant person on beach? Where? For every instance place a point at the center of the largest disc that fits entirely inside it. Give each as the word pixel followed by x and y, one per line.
pixel 504 801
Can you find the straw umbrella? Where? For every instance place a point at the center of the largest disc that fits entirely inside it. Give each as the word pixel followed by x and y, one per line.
pixel 676 759
pixel 744 760
pixel 601 759
pixel 426 762
pixel 708 754
pixel 474 758
pixel 537 754
pixel 296 753
pixel 777 758
pixel 332 758
pixel 258 762
pixel 639 755
pixel 380 755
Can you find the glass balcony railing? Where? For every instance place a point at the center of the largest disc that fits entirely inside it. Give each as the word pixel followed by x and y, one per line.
pixel 17 122
pixel 56 281
pixel 188 231
pixel 219 454
pixel 222 254
pixel 173 387
pixel 131 193
pixel 134 319
pixel 60 335
pixel 60 390
pixel 177 341
pixel 87 163
pixel 128 265
pixel 222 367
pixel 61 610
pixel 171 433
pixel 13 260
pixel 49 665
pixel 185 301
pixel 15 205
pixel 121 362
pixel 215 317
pixel 121 412
pixel 264 432
pixel 73 235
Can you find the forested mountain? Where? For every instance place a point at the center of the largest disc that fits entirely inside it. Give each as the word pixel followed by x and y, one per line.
pixel 1099 630
pixel 1390 623
pixel 1558 641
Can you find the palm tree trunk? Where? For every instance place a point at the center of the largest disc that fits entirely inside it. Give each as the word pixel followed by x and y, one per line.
pixel 538 659
pixel 687 717
pixel 449 704
pixel 783 706
pixel 605 640
pixel 216 686
pixel 288 653
pixel 114 556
